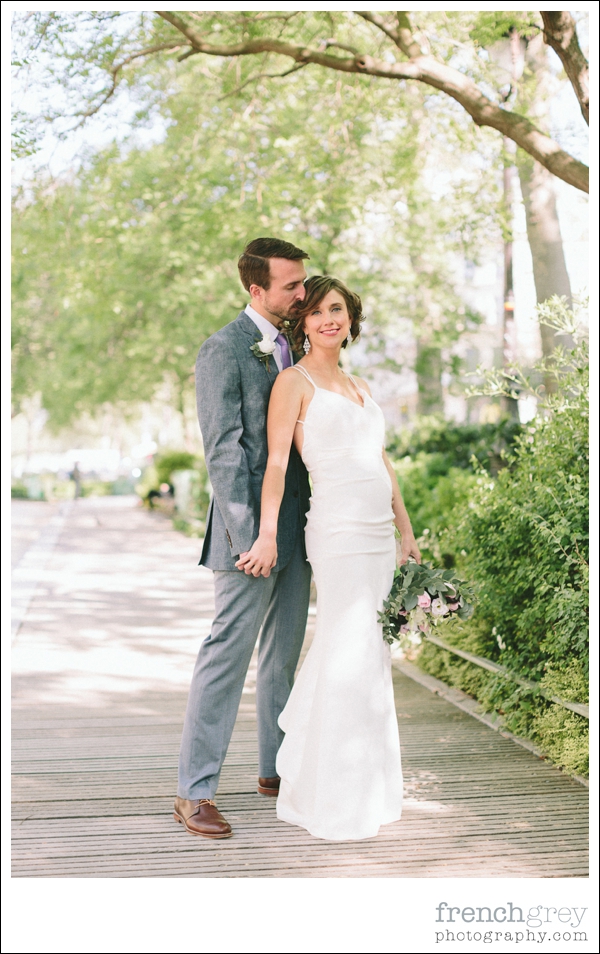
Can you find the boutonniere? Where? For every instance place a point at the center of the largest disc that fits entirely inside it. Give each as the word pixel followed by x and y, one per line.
pixel 263 348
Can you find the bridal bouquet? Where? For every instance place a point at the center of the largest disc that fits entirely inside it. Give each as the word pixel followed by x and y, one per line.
pixel 420 597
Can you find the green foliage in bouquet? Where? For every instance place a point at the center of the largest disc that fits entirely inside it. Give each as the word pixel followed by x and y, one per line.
pixel 421 596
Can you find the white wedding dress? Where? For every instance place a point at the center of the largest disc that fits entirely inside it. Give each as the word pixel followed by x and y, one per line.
pixel 339 764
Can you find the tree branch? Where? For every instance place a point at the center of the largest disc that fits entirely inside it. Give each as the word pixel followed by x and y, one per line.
pixel 408 43
pixel 560 33
pixel 325 44
pixel 159 48
pixel 380 23
pixel 257 76
pixel 425 69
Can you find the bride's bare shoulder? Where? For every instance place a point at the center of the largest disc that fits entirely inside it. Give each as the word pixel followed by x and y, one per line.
pixel 288 396
pixel 289 382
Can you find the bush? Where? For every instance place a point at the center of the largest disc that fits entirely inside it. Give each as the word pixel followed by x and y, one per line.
pixel 523 537
pixel 433 495
pixel 192 505
pixel 96 488
pixel 526 540
pixel 168 461
pixel 122 486
pixel 192 498
pixel 435 464
pixel 456 445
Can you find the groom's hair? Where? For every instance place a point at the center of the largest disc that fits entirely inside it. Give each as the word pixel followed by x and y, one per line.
pixel 253 264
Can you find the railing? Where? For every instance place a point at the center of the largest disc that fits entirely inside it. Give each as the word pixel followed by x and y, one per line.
pixel 484 663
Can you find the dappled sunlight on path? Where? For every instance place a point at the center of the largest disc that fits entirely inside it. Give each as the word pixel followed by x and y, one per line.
pixel 120 606
pixel 102 663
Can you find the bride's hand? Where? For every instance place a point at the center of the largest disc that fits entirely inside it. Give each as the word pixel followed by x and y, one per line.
pixel 260 558
pixel 409 549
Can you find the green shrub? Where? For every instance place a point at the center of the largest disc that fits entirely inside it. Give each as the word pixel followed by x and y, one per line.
pixel 435 466
pixel 192 498
pixel 432 494
pixel 456 445
pixel 192 521
pixel 523 538
pixel 147 482
pixel 96 488
pixel 526 540
pixel 564 736
pixel 168 461
pixel 122 486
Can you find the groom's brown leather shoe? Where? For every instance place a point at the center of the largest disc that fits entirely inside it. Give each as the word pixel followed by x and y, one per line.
pixel 201 816
pixel 269 786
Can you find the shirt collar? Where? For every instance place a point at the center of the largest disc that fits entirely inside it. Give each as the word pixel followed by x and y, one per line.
pixel 263 324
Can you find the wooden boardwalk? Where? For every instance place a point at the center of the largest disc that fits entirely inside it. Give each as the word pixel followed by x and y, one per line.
pixel 103 658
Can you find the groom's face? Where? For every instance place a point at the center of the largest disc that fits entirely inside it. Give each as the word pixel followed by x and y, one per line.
pixel 285 290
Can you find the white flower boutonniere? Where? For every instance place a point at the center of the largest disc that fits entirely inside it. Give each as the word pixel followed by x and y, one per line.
pixel 263 348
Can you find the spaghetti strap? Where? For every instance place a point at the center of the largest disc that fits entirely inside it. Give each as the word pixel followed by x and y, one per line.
pixel 352 378
pixel 360 390
pixel 305 374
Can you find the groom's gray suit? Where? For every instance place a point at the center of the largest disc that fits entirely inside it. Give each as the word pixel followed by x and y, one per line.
pixel 233 388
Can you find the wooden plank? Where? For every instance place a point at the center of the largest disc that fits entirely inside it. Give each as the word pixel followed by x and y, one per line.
pixel 94 783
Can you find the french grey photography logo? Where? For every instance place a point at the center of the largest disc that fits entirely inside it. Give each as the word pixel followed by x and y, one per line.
pixel 512 923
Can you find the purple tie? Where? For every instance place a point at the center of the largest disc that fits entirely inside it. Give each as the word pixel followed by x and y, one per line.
pixel 285 351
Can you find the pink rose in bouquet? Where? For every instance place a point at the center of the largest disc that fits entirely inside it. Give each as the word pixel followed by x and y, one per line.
pixel 433 595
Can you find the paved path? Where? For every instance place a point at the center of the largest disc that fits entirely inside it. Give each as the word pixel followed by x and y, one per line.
pixel 102 661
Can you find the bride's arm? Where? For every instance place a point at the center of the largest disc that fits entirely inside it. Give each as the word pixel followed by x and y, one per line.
pixel 284 411
pixel 401 518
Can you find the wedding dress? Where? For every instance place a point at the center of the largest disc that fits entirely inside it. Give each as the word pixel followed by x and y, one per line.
pixel 339 763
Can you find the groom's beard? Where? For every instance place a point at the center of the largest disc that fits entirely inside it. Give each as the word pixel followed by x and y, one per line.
pixel 281 313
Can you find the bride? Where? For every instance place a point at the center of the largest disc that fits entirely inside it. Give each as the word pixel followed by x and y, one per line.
pixel 339 763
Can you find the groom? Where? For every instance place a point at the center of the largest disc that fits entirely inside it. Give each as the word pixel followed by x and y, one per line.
pixel 234 378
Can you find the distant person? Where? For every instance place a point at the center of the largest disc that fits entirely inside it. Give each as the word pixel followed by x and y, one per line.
pixel 75 476
pixel 166 491
pixel 235 371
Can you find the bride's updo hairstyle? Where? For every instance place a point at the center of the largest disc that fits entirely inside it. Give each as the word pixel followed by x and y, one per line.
pixel 317 288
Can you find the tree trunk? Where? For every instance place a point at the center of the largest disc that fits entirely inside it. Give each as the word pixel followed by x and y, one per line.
pixel 543 228
pixel 510 405
pixel 429 377
pixel 545 241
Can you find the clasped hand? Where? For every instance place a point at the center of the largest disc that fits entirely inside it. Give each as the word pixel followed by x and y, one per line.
pixel 260 559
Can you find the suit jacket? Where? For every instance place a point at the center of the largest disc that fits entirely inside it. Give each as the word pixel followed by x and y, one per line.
pixel 232 390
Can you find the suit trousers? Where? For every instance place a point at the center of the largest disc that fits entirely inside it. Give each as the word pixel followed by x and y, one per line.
pixel 244 604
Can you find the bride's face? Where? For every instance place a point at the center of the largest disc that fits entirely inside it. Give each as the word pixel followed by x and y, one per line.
pixel 328 324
